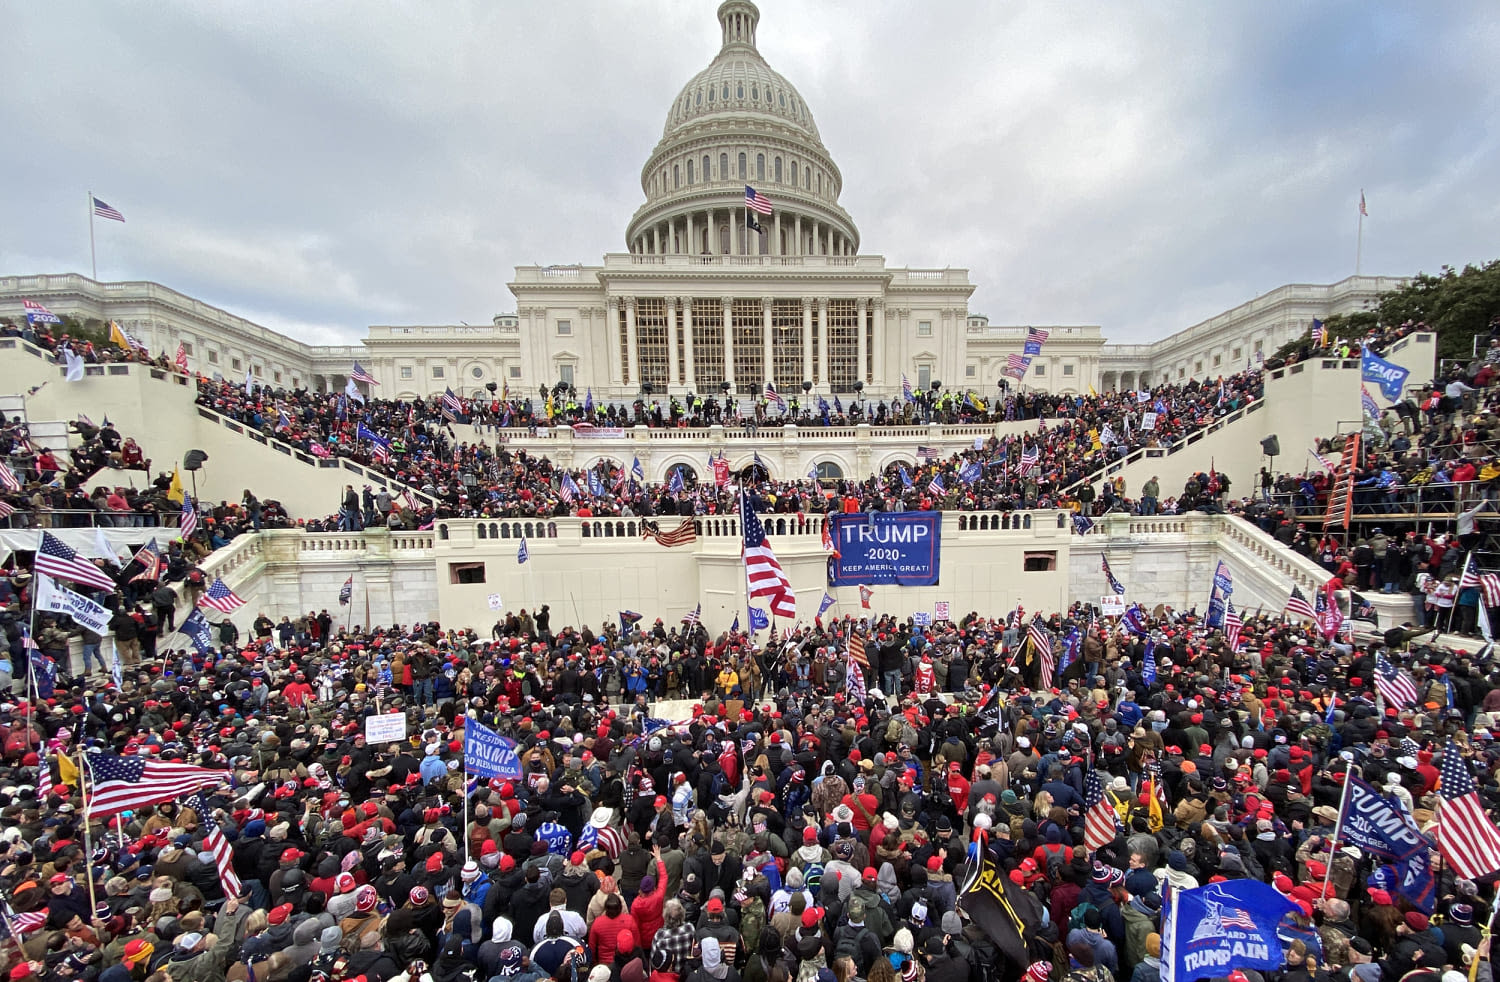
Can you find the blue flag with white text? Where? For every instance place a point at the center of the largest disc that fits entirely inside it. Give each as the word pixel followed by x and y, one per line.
pixel 759 620
pixel 1209 931
pixel 1390 376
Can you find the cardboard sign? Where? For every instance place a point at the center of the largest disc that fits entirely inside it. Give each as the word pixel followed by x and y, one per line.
pixel 940 610
pixel 495 602
pixel 390 728
pixel 1113 606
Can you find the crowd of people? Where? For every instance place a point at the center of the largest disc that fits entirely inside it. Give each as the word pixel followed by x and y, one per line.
pixel 794 824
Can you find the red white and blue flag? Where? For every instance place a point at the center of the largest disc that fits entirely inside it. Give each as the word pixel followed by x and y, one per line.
pixel 359 374
pixel 763 572
pixel 56 559
pixel 221 598
pixel 756 201
pixel 216 844
pixel 105 211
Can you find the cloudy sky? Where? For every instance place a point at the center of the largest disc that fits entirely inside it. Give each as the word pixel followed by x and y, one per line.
pixel 321 167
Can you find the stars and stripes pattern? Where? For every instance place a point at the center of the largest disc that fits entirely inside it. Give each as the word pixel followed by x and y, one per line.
pixel 1041 643
pixel 1394 685
pixel 358 374
pixel 148 557
pixel 188 523
pixel 221 598
pixel 773 396
pixel 927 454
pixel 854 678
pixel 1115 586
pixel 103 210
pixel 7 509
pixel 1233 626
pixel 1488 583
pixel 1298 607
pixel 906 392
pixel 682 535
pixel 762 570
pixel 346 592
pixel 54 558
pixel 8 478
pixel 1466 835
pixel 1016 365
pixel 1035 335
pixel 118 784
pixel 693 616
pixel 756 201
pixel 1029 459
pixel 857 650
pixel 935 486
pixel 568 489
pixel 214 841
pixel 1319 334
pixel 1101 823
pixel 408 499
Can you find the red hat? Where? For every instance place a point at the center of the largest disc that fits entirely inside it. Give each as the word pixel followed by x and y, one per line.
pixel 870 873
pixel 278 915
pixel 489 848
pixel 1380 897
pixel 934 863
pixel 577 858
pixel 58 879
pixel 660 802
pixel 811 916
pixel 1205 749
pixel 291 855
pixel 809 834
pixel 507 863
pixel 714 906
pixel 1416 920
pixel 21 971
pixel 434 862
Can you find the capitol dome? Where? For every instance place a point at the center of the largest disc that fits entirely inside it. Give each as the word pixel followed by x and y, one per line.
pixel 735 124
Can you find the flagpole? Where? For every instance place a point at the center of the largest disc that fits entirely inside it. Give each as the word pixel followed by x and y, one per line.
pixel 1338 827
pixel 93 261
pixel 88 846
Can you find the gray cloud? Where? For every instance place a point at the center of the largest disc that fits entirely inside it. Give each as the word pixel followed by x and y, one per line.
pixel 323 167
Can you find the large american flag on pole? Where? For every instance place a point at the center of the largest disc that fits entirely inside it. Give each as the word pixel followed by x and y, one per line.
pixel 1101 823
pixel 214 840
pixel 221 598
pixel 762 571
pixel 756 201
pixel 54 558
pixel 117 784
pixel 1298 607
pixel 1394 686
pixel 1029 459
pixel 1233 625
pixel 359 374
pixel 188 523
pixel 1465 834
pixel 1041 642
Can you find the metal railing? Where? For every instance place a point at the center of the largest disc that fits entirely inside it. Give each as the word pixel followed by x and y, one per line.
pixel 50 518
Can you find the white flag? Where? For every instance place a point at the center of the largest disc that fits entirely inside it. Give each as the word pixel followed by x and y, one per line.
pixel 104 549
pixel 352 391
pixel 249 382
pixel 52 596
pixel 75 365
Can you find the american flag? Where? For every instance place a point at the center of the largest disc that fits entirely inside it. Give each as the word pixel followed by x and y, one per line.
pixel 105 211
pixel 216 843
pixel 451 403
pixel 1488 583
pixel 1029 459
pixel 935 486
pixel 757 202
pixel 906 389
pixel 44 772
pixel 54 558
pixel 359 374
pixel 854 679
pixel 346 592
pixel 857 650
pixel 408 500
pixel 7 509
pixel 1016 365
pixel 1101 823
pixel 1298 607
pixel 1115 586
pixel 1465 834
pixel 1319 334
pixel 1041 643
pixel 37 314
pixel 693 616
pixel 149 558
pixel 567 489
pixel 682 535
pixel 928 454
pixel 1035 335
pixel 762 571
pixel 8 478
pixel 181 360
pixel 221 598
pixel 773 396
pixel 1323 461
pixel 117 784
pixel 27 922
pixel 1394 685
pixel 1235 917
pixel 188 524
pixel 1233 625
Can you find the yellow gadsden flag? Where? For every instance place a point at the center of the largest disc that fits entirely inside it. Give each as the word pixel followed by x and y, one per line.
pixel 174 493
pixel 67 770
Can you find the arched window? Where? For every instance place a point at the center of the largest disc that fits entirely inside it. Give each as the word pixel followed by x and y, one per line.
pixel 739 91
pixel 744 170
pixel 443 531
pixel 726 92
pixel 551 530
pixel 723 166
pixel 505 531
pixel 481 530
pixel 794 173
pixel 777 170
pixel 755 473
pixel 760 167
pixel 494 528
pixel 829 471
pixel 698 100
pixel 676 177
pixel 690 173
pixel 710 95
pixel 754 93
pixel 706 177
pixel 807 178
pixel 820 182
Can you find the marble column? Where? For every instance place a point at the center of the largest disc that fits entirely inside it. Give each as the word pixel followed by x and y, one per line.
pixel 823 339
pixel 692 245
pixel 687 341
pixel 671 305
pixel 630 348
pixel 880 341
pixel 728 340
pixel 797 234
pixel 863 346
pixel 766 335
pixel 612 338
pixel 807 336
pixel 776 249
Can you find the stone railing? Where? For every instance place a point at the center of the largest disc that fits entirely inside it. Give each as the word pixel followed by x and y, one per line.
pixel 1144 453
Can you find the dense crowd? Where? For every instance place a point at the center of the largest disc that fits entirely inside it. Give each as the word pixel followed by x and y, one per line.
pixel 55 483
pixel 790 825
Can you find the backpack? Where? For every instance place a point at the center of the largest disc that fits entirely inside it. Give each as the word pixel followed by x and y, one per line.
pixel 851 941
pixel 807 971
pixel 893 730
pixel 1075 919
pixel 812 877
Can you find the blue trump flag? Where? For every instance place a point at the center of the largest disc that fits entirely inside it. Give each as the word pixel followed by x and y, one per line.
pixel 199 631
pixel 1388 375
pixel 1212 930
pixel 487 754
pixel 1148 664
pixel 1381 826
pixel 758 619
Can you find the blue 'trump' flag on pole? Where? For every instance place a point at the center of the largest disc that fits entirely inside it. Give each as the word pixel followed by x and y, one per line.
pixel 1390 376
pixel 487 754
pixel 1212 930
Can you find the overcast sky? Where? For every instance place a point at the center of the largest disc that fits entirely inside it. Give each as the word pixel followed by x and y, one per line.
pixel 319 167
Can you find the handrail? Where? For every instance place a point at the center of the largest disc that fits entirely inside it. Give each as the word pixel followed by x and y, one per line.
pixel 95 519
pixel 1143 453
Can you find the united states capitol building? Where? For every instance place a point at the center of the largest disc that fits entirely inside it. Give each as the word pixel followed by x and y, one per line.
pixel 711 297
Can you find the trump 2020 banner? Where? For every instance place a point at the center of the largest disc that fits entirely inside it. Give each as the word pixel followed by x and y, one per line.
pixel 878 547
pixel 1211 930
pixel 488 754
pixel 1388 375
